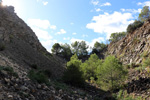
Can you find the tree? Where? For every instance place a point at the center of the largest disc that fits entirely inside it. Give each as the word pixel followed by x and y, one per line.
pixel 132 27
pixel 56 49
pixel 66 51
pixel 89 67
pixel 98 47
pixel 80 48
pixel 145 14
pixel 117 36
pixel 111 74
pixel 83 48
pixel 73 75
pixel 75 46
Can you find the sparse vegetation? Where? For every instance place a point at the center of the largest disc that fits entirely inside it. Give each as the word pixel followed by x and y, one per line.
pixel 117 36
pixel 39 76
pixel 9 70
pixel 145 14
pixel 123 95
pixel 132 27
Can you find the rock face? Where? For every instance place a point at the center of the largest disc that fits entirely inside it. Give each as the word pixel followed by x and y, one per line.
pixel 134 46
pixel 21 45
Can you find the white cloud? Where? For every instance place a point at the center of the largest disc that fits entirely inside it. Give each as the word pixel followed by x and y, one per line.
pixel 48 44
pixel 68 38
pixel 74 33
pixel 45 38
pixel 53 27
pixel 45 3
pixel 100 39
pixel 84 35
pixel 131 10
pixel 42 35
pixel 62 31
pixel 106 4
pixel 44 24
pixel 95 2
pixel 98 10
pixel 73 40
pixel 146 3
pixel 109 23
pixel 40 28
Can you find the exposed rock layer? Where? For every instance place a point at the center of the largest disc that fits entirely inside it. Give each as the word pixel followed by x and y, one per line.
pixel 134 46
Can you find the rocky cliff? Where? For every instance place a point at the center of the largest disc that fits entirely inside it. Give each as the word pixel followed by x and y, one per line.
pixel 133 46
pixel 20 47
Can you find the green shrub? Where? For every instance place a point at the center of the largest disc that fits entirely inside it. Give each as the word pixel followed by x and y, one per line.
pixel 47 72
pixel 111 74
pixel 123 95
pixel 38 76
pixel 9 70
pixel 73 76
pixel 132 27
pixel 89 67
pixel 146 63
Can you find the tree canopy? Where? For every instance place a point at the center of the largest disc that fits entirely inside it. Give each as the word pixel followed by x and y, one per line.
pixel 117 36
pixel 89 67
pixel 79 48
pixel 111 73
pixel 56 49
pixel 98 47
pixel 145 14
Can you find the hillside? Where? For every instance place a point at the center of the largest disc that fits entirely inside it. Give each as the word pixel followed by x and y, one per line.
pixel 133 46
pixel 22 48
pixel 29 72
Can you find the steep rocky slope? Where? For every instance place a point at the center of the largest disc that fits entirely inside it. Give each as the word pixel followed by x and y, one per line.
pixel 134 46
pixel 22 47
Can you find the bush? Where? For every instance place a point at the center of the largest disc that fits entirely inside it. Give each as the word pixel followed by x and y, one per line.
pixel 73 75
pixel 123 95
pixel 89 67
pixel 146 63
pixel 111 74
pixel 9 70
pixel 117 36
pixel 132 27
pixel 38 76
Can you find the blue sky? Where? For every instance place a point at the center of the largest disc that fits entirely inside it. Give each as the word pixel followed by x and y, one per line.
pixel 65 21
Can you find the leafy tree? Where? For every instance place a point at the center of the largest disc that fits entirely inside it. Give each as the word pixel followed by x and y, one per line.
pixel 80 48
pixel 89 67
pixel 117 36
pixel 145 14
pixel 83 49
pixel 56 49
pixel 66 51
pixel 111 74
pixel 98 47
pixel 73 75
pixel 75 46
pixel 132 27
